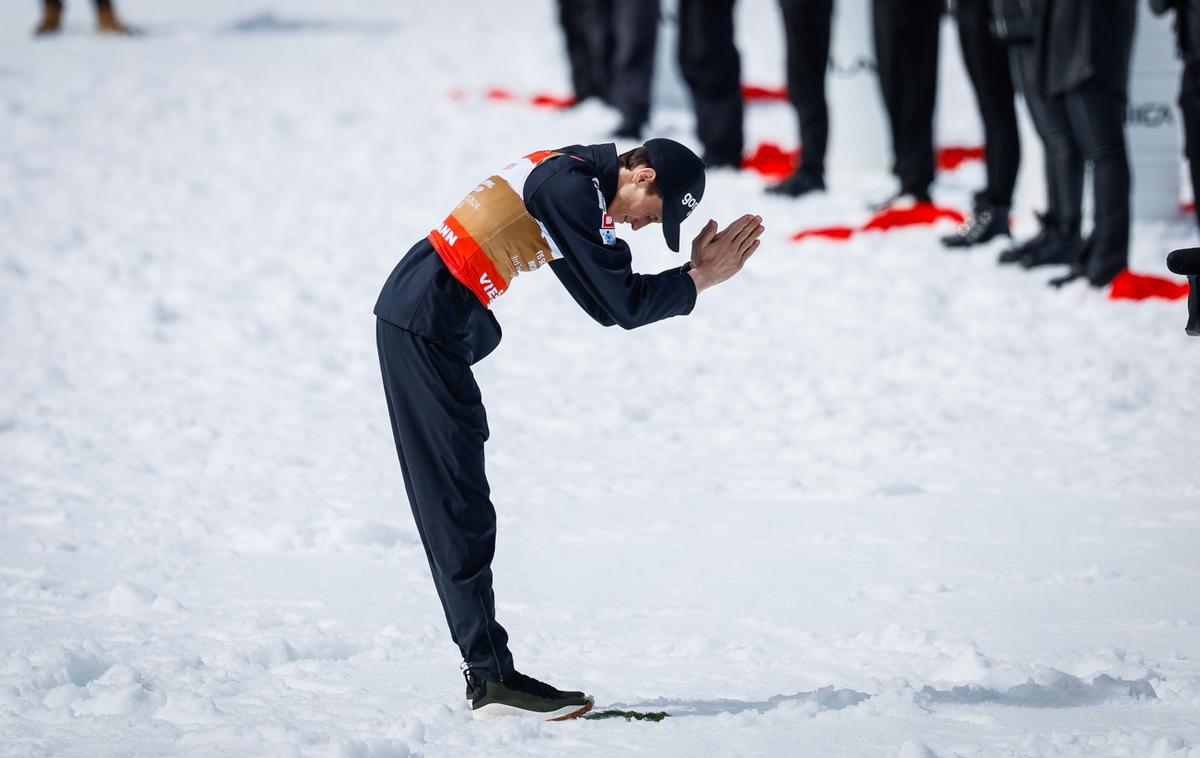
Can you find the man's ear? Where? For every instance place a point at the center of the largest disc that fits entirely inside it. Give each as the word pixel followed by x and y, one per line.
pixel 644 175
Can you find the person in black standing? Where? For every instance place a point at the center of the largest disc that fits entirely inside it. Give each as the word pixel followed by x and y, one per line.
pixel 1020 24
pixel 1187 28
pixel 986 60
pixel 1086 56
pixel 586 31
pixel 906 52
pixel 712 69
pixel 807 26
pixel 610 49
pixel 634 39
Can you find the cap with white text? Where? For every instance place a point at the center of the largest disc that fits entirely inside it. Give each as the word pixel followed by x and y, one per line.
pixel 679 174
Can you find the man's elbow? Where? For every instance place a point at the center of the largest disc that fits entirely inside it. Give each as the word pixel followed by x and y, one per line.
pixel 626 322
pixel 601 317
pixel 606 316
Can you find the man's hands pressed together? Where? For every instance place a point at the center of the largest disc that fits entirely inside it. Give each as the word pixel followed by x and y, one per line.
pixel 717 256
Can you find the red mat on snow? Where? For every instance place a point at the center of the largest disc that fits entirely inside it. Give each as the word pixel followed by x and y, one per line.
pixel 921 214
pixel 502 95
pixel 753 93
pixel 772 161
pixel 953 156
pixel 768 158
pixel 1131 286
pixel 539 100
pixel 775 162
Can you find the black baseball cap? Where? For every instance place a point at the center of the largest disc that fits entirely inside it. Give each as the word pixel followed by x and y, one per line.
pixel 679 174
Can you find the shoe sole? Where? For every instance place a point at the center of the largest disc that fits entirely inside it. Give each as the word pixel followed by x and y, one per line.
pixel 1027 264
pixel 566 713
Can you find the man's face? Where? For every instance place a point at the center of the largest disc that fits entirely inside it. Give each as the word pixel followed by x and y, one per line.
pixel 635 204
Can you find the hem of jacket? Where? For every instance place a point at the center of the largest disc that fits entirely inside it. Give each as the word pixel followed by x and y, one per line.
pixel 695 295
pixel 405 325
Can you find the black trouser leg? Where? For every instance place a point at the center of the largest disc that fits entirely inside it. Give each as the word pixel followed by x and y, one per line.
pixel 1097 116
pixel 586 29
pixel 887 67
pixel 987 66
pixel 635 35
pixel 439 425
pixel 1022 59
pixel 712 69
pixel 807 25
pixel 1064 151
pixel 1189 104
pixel 906 36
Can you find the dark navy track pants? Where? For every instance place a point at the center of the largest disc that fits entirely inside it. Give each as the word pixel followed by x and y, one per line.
pixel 439 424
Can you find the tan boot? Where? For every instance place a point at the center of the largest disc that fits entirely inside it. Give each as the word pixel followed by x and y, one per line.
pixel 108 23
pixel 51 22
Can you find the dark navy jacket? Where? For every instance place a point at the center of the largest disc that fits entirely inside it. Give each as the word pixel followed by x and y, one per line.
pixel 423 297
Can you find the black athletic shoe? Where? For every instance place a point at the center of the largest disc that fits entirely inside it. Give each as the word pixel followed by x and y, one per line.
pixel 986 223
pixel 800 183
pixel 520 695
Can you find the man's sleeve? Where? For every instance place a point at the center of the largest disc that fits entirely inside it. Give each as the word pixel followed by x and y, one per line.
pixel 599 276
pixel 571 284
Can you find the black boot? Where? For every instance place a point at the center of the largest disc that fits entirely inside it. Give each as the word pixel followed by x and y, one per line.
pixel 522 695
pixel 1064 252
pixel 1077 267
pixel 800 183
pixel 1101 271
pixel 1046 235
pixel 1073 273
pixel 1067 249
pixel 986 223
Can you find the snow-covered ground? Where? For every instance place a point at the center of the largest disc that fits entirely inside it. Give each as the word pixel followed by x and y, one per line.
pixel 871 499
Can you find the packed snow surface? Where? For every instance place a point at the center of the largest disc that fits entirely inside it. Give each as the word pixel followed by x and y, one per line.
pixel 871 499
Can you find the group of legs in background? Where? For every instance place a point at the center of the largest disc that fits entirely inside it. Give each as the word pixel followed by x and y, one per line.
pixel 107 21
pixel 611 48
pixel 1069 60
pixel 1187 28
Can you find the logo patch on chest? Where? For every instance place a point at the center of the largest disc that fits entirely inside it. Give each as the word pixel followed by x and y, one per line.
pixel 608 230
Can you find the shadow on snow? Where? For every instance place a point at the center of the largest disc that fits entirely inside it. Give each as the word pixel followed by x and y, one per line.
pixel 1065 691
pixel 269 23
